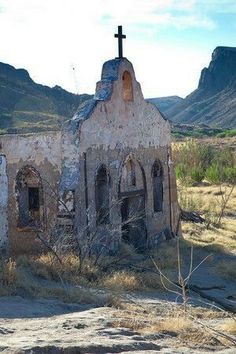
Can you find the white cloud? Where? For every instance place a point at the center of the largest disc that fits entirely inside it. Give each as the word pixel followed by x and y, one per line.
pixel 171 13
pixel 218 6
pixel 47 37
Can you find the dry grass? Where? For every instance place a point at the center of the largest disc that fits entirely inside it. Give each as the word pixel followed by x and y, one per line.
pixel 228 326
pixel 28 274
pixel 8 276
pixel 215 239
pixel 207 200
pixel 122 280
pixel 46 266
pixel 174 323
pixel 166 256
pixel 221 239
pixel 21 276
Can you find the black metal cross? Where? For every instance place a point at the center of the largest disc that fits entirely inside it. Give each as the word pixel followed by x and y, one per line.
pixel 120 37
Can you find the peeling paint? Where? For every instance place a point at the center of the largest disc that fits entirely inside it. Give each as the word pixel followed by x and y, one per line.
pixel 33 147
pixel 3 204
pixel 116 122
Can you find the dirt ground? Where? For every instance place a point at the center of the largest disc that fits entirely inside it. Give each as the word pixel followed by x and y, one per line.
pixel 38 326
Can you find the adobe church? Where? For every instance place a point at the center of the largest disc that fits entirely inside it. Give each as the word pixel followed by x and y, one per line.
pixel 108 172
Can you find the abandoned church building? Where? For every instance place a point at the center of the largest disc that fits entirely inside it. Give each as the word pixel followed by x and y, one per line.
pixel 109 169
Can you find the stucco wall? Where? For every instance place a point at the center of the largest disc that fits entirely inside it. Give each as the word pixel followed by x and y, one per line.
pixel 115 129
pixel 116 123
pixel 156 222
pixel 42 152
pixel 3 204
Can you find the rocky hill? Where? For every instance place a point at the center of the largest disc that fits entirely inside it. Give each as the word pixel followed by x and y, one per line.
pixel 27 107
pixel 214 101
pixel 165 103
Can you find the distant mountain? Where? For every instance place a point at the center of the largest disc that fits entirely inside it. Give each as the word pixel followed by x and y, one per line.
pixel 214 101
pixel 27 107
pixel 165 103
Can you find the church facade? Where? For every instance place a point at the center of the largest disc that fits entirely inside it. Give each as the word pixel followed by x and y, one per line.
pixel 108 173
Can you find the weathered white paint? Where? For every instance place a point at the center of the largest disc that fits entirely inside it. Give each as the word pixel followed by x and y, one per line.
pixel 116 123
pixel 3 204
pixel 36 147
pixel 70 162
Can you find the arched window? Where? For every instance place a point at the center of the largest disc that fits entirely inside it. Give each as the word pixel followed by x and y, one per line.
pixel 102 196
pixel 29 197
pixel 157 180
pixel 127 86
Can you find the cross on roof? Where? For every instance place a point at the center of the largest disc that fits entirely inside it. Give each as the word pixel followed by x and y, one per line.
pixel 120 37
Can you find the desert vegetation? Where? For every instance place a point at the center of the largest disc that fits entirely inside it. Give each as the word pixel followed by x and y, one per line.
pixel 196 161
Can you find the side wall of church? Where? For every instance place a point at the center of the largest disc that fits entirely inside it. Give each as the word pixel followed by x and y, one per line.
pixel 42 153
pixel 3 205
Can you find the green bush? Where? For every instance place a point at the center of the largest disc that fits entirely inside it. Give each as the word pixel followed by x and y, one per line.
pixel 218 174
pixel 214 174
pixel 197 174
pixel 229 174
pixel 181 171
pixel 195 161
pixel 227 133
pixel 223 157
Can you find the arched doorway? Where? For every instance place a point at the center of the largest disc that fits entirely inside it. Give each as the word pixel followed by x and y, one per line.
pixel 132 190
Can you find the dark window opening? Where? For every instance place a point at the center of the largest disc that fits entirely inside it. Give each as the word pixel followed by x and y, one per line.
pixel 29 198
pixel 102 197
pixel 33 194
pixel 157 179
pixel 131 173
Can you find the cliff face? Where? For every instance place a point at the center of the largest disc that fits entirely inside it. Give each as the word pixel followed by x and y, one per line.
pixel 27 107
pixel 221 71
pixel 214 101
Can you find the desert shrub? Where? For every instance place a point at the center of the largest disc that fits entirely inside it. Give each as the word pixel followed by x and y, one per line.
pixel 181 171
pixel 229 174
pixel 218 174
pixel 197 174
pixel 195 161
pixel 223 157
pixel 214 174
pixel 192 153
pixel 227 133
pixel 191 160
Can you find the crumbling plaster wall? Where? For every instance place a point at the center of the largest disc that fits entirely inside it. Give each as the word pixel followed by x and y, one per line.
pixel 3 205
pixel 115 123
pixel 113 160
pixel 114 129
pixel 43 152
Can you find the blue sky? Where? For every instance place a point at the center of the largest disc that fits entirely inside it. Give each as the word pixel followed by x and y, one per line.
pixel 65 42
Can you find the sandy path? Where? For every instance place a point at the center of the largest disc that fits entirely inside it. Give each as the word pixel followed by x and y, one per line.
pixel 52 327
